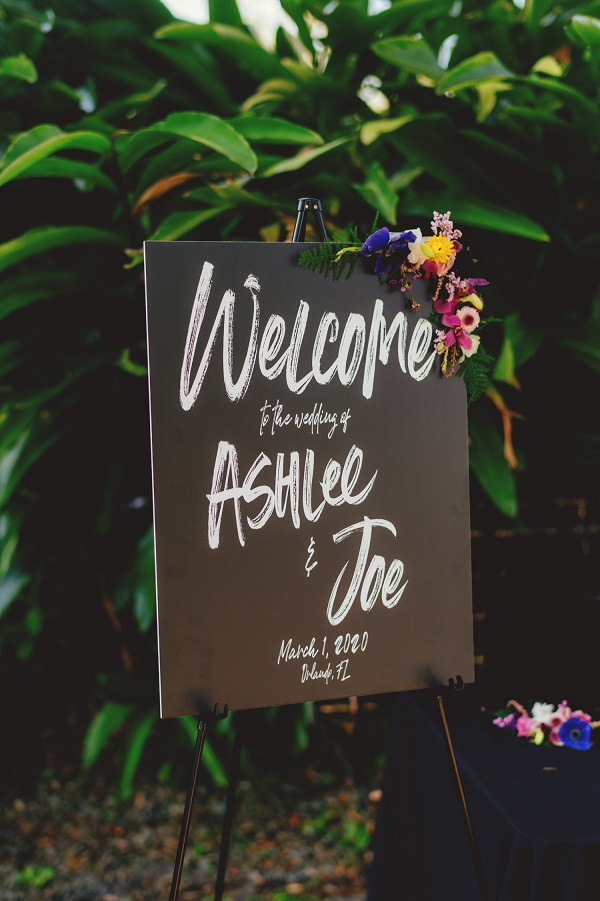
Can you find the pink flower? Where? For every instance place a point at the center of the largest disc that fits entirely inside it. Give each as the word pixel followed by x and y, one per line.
pixel 443 225
pixel 457 333
pixel 526 726
pixel 430 268
pixel 445 306
pixel 439 342
pixel 503 721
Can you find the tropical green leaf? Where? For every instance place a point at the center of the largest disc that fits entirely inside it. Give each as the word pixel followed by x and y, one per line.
pixel 144 596
pixel 49 237
pixel 201 70
pixel 175 158
pixel 524 342
pixel 130 106
pixel 504 366
pixel 413 54
pixel 583 344
pixel 9 466
pixel 497 219
pixel 467 211
pixel 41 142
pixel 30 287
pixel 210 131
pixel 11 356
pixel 373 130
pixel 535 116
pixel 583 110
pixel 271 130
pixel 474 71
pixel 225 11
pixel 235 43
pixel 104 724
pixel 84 175
pixel 301 159
pixel 138 734
pixel 377 191
pixel 296 10
pixel 17 457
pixel 534 10
pixel 9 542
pixel 179 224
pixel 11 587
pixel 585 30
pixel 231 194
pixel 487 461
pixel 409 11
pixel 131 148
pixel 487 94
pixel 19 67
pixel 301 735
pixel 435 143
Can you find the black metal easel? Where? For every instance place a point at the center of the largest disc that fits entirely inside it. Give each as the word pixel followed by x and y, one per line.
pixel 458 685
pixel 305 205
pixel 186 819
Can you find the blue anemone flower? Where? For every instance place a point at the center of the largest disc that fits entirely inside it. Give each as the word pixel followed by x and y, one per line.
pixel 576 733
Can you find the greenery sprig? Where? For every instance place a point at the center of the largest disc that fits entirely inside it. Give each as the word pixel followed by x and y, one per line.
pixel 329 259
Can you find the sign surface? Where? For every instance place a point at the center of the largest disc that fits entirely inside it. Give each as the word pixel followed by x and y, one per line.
pixel 310 471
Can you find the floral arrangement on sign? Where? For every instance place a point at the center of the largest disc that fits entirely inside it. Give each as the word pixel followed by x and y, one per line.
pixel 545 724
pixel 400 258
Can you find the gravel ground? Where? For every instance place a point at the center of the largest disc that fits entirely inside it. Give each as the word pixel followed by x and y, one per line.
pixel 65 838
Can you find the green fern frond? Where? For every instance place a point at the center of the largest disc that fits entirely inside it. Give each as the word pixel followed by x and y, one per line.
pixel 336 257
pixel 475 371
pixel 329 259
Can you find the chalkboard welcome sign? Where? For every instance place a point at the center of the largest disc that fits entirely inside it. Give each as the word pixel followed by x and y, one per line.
pixel 310 483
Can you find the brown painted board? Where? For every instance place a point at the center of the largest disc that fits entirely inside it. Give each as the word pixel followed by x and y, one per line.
pixel 310 468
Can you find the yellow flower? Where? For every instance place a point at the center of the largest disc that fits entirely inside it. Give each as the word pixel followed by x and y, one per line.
pixel 439 248
pixel 474 300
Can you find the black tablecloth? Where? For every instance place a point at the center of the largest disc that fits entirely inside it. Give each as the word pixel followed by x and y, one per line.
pixel 535 811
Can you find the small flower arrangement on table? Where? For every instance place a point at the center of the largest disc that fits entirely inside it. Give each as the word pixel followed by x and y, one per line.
pixel 401 258
pixel 547 724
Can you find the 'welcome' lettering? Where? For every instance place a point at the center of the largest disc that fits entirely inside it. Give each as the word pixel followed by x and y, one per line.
pixel 354 347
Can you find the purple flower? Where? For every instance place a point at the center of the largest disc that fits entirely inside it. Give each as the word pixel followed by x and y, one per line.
pixel 576 733
pixel 379 240
pixel 391 249
pixel 401 241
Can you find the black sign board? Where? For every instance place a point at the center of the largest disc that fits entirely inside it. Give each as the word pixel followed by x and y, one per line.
pixel 310 483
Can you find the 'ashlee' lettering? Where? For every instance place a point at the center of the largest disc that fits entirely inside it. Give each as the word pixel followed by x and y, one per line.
pixel 354 346
pixel 226 487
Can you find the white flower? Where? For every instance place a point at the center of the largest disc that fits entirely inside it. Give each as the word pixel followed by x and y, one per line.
pixel 475 339
pixel 542 713
pixel 416 256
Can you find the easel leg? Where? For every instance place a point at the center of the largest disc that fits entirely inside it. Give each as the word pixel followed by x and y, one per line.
pixel 474 849
pixel 187 812
pixel 234 774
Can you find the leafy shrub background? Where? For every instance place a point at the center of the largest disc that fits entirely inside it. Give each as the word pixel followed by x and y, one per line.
pixel 119 124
